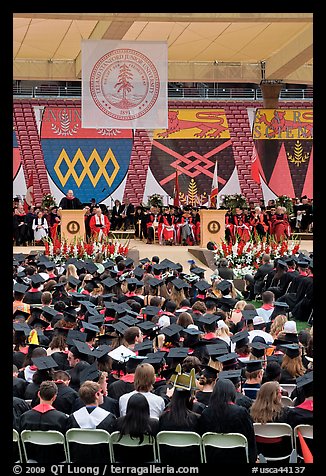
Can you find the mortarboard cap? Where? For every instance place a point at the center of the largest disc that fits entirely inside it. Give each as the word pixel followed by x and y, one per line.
pixel 108 264
pixel 121 353
pixel 233 375
pixel 74 334
pixel 224 285
pixel 129 262
pixel 43 363
pixel 144 260
pixel 154 282
pixel 291 350
pixel 95 319
pixel 70 314
pixel 209 372
pixel 209 319
pixel 305 379
pixel 49 313
pixel 171 330
pixel 179 283
pixel 150 310
pixel 197 270
pixel 37 279
pixel 91 267
pixel 82 347
pixel 101 351
pixel 74 282
pixel 132 281
pixel 120 327
pixel 240 338
pixel 89 328
pixel 202 285
pixel 253 365
pixel 282 263
pixel 178 352
pixel 139 272
pixel 216 350
pixel 147 326
pixel 22 327
pixel 281 305
pixel 249 314
pixel 192 331
pixel 144 347
pixel 80 265
pixel 20 288
pixel 91 372
pixel 109 282
pixel 155 358
pixel 19 313
pixel 60 285
pixel 258 348
pixel 129 320
pixel 133 362
pixel 228 359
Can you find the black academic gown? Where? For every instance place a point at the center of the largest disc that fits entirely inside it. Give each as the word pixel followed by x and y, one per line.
pixel 120 387
pixel 18 387
pixel 301 415
pixel 19 407
pixel 66 398
pixel 235 419
pixel 75 374
pixel 70 204
pixel 33 297
pixel 61 359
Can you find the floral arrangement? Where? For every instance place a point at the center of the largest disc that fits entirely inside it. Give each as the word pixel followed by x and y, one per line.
pixel 245 258
pixel 155 200
pixel 48 201
pixel 59 251
pixel 233 202
pixel 285 201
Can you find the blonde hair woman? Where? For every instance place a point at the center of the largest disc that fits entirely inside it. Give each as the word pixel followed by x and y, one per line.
pixel 236 314
pixel 267 407
pixel 223 331
pixel 278 325
pixel 71 271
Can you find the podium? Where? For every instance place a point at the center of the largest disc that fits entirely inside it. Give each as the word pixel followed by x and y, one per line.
pixel 212 226
pixel 72 225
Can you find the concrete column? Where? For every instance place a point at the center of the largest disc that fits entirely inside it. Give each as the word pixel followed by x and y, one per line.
pixel 270 92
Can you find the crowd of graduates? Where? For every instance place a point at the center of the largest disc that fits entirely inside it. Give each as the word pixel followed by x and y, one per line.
pixel 167 225
pixel 143 347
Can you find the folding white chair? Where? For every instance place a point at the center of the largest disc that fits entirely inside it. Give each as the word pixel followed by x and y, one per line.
pixel 83 443
pixel 307 431
pixel 128 449
pixel 274 440
pixel 287 401
pixel 184 445
pixel 42 441
pixel 17 447
pixel 236 443
pixel 289 387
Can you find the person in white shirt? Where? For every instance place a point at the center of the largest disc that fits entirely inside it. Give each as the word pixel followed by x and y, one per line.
pixel 267 307
pixel 40 226
pixel 259 326
pixel 143 383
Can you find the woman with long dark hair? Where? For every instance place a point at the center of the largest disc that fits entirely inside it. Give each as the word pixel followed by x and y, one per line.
pixel 136 423
pixel 178 414
pixel 223 416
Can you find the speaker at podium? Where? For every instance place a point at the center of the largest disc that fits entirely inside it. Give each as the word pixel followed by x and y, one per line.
pixel 72 225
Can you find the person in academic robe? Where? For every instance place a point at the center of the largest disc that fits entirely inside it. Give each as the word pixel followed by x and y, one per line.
pixel 223 416
pixel 259 224
pixel 152 222
pixel 66 396
pixel 186 228
pixel 116 215
pixel 70 202
pixel 20 228
pixel 34 294
pixel 303 413
pixel 99 225
pixel 140 223
pixel 281 279
pixel 241 225
pixel 54 222
pixel 166 229
pixel 280 227
pixel 91 416
pixel 304 211
pixel 44 417
pixel 128 214
pixel 40 227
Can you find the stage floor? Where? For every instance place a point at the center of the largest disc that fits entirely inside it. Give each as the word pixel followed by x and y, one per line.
pixel 178 254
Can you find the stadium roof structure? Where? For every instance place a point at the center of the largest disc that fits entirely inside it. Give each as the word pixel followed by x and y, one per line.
pixel 202 47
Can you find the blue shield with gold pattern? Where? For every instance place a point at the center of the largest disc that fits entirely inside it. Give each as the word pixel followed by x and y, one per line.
pixel 91 162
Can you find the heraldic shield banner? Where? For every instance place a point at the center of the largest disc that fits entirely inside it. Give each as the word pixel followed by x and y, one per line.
pixel 92 162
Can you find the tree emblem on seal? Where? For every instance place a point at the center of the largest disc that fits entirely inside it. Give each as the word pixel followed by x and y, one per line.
pixel 213 226
pixel 73 227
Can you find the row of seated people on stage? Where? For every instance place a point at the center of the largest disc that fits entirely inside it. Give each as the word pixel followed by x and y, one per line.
pixel 168 225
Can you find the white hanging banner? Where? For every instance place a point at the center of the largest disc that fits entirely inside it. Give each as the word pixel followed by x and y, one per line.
pixel 124 84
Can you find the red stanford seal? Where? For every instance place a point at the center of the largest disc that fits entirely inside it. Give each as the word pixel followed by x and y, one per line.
pixel 124 84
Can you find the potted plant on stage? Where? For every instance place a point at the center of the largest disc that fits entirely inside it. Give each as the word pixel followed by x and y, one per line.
pixel 234 201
